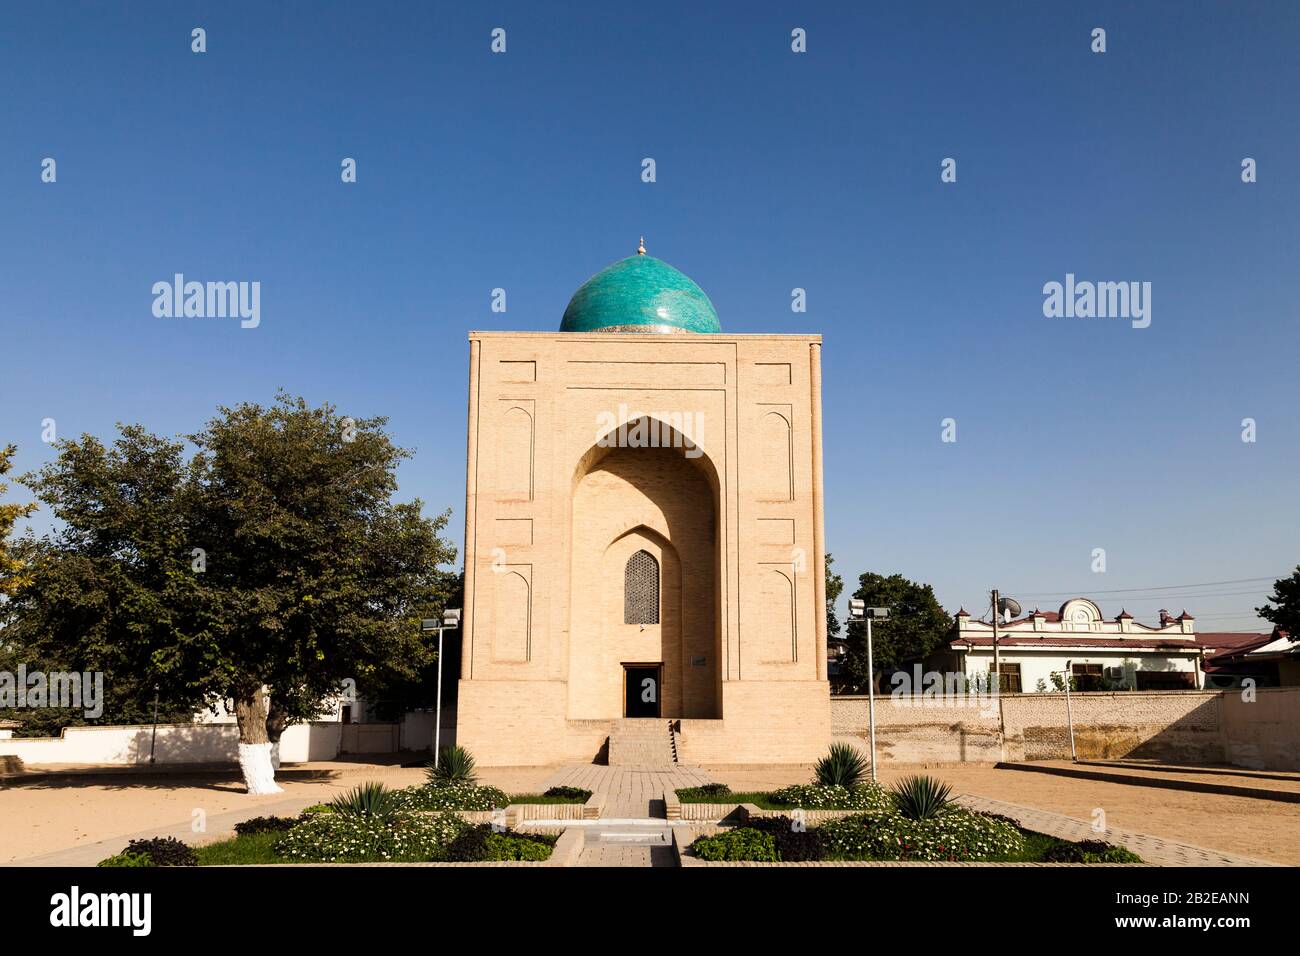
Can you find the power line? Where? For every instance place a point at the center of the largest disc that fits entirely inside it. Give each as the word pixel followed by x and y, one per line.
pixel 1167 587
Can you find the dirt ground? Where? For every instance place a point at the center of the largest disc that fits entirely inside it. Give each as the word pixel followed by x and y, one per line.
pixel 1266 829
pixel 36 819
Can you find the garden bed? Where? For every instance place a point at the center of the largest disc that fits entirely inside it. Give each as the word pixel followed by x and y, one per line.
pixel 1035 849
pixel 443 822
pixel 476 846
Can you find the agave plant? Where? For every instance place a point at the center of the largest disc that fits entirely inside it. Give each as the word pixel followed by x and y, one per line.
pixel 368 800
pixel 921 797
pixel 844 767
pixel 455 765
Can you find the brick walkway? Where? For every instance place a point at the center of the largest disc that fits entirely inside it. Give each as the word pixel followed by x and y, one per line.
pixel 607 855
pixel 631 792
pixel 1152 849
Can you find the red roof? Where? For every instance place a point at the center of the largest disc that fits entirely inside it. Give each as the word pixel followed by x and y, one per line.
pixel 1230 644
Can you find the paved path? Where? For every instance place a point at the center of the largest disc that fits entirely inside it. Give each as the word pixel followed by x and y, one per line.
pixel 630 792
pixel 608 855
pixel 1152 849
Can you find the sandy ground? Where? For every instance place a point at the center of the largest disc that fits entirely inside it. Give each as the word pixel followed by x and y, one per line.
pixel 39 818
pixel 1265 829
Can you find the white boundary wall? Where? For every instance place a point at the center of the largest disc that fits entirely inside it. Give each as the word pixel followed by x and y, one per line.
pixel 176 744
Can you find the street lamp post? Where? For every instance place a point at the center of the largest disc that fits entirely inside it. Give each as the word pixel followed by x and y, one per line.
pixel 1069 710
pixel 450 621
pixel 859 612
pixel 153 737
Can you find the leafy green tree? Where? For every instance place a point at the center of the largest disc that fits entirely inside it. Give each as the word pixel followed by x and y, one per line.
pixel 11 567
pixel 1284 611
pixel 916 626
pixel 834 588
pixel 106 592
pixel 264 571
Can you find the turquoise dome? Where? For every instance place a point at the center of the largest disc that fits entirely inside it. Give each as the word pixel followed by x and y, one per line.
pixel 640 294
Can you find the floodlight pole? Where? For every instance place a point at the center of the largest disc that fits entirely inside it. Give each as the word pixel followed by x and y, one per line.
pixel 450 620
pixel 437 720
pixel 997 664
pixel 153 738
pixel 871 700
pixel 1069 710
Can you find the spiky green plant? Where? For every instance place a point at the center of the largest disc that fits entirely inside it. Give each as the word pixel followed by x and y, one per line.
pixel 844 767
pixel 368 800
pixel 921 797
pixel 455 765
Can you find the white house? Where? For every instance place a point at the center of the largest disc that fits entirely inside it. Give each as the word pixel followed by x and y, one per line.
pixel 1101 654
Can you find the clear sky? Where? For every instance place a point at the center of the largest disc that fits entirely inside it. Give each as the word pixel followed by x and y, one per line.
pixel 775 170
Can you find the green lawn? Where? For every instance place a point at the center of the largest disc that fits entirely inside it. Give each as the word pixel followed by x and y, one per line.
pixel 254 848
pixel 761 799
pixel 542 798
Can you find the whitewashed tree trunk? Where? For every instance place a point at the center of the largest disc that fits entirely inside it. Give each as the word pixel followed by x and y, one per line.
pixel 256 760
pixel 258 769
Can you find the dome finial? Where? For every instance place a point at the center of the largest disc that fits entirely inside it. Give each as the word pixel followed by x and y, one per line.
pixel 640 249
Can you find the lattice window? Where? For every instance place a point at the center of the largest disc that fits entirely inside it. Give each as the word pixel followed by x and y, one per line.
pixel 641 589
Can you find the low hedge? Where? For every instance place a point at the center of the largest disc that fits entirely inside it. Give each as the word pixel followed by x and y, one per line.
pixel 1089 851
pixel 265 825
pixel 740 844
pixel 158 851
pixel 483 843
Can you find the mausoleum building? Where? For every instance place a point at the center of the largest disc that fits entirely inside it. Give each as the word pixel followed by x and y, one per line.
pixel 644 543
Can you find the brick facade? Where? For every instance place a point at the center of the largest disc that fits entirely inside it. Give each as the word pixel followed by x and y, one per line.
pixel 562 491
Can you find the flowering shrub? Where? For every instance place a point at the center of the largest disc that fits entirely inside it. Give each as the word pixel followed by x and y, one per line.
pixel 743 843
pixel 449 796
pixel 363 838
pixel 956 834
pixel 812 796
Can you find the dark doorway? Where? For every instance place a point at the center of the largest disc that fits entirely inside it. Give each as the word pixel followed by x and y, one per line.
pixel 642 689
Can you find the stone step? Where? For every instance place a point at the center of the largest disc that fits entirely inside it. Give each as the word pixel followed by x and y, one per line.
pixel 645 742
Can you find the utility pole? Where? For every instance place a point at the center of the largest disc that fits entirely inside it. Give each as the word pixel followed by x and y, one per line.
pixel 997 667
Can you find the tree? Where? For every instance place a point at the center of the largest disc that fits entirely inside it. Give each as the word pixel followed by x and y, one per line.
pixel 916 625
pixel 1284 611
pixel 10 566
pixel 834 588
pixel 106 592
pixel 265 571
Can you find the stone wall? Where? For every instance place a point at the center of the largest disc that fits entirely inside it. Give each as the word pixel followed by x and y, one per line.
pixel 1194 727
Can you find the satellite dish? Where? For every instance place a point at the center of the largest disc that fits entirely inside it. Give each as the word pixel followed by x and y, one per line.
pixel 1009 606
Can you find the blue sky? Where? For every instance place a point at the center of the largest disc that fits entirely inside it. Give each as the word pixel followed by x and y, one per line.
pixel 775 170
